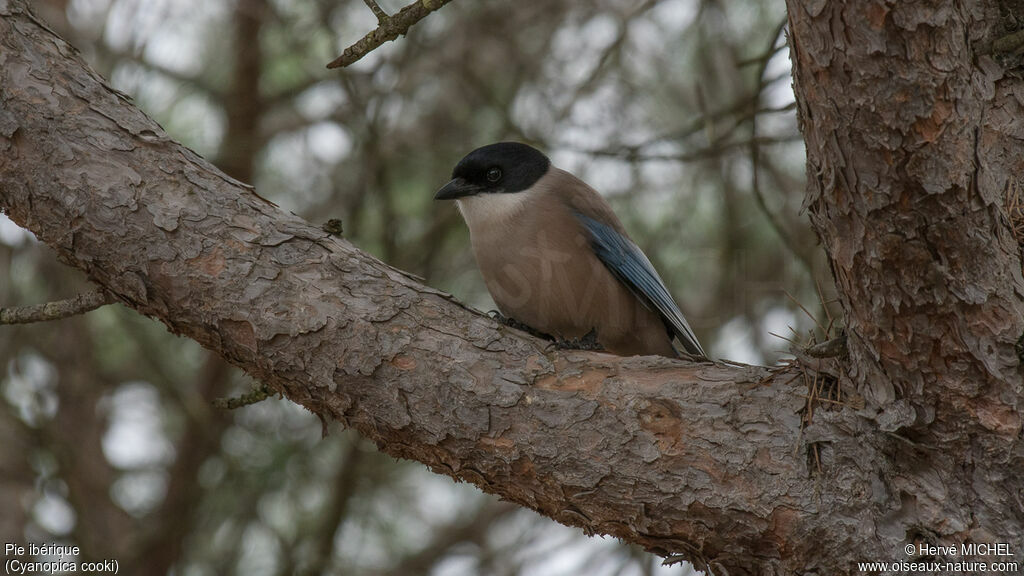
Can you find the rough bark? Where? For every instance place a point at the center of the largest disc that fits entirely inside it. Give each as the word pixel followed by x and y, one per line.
pixel 915 139
pixel 157 554
pixel 710 461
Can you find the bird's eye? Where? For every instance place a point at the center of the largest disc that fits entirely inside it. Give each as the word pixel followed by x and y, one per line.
pixel 494 174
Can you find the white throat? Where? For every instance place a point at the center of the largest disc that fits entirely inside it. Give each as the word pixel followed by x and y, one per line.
pixel 488 211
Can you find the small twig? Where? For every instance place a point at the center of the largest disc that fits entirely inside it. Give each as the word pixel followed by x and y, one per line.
pixel 839 388
pixel 716 148
pixel 824 304
pixel 781 337
pixel 806 311
pixel 812 397
pixel 755 151
pixel 739 364
pixel 919 445
pixel 1015 209
pixel 829 400
pixel 379 12
pixel 390 28
pixel 80 304
pixel 259 393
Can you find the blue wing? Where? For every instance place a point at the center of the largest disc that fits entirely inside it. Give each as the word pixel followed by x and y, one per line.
pixel 630 265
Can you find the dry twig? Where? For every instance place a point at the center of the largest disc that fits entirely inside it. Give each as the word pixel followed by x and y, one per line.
pixel 1015 209
pixel 80 304
pixel 379 12
pixel 390 28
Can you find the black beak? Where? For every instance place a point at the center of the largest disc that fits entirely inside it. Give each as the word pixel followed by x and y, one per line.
pixel 457 188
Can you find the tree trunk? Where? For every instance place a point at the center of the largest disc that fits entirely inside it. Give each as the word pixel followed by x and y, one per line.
pixel 913 126
pixel 733 467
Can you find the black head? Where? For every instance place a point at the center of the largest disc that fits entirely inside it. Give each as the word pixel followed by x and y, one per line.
pixel 501 168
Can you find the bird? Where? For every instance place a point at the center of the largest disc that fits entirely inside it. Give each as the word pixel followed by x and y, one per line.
pixel 555 257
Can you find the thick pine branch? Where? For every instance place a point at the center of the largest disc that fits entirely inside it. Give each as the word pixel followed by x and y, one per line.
pixel 733 467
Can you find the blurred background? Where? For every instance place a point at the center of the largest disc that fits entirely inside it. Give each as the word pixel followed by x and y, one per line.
pixel 679 111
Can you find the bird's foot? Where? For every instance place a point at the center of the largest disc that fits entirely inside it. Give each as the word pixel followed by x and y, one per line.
pixel 513 323
pixel 588 342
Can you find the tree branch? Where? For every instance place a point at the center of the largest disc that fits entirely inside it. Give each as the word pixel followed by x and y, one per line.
pixel 381 15
pixel 717 463
pixel 389 28
pixel 85 302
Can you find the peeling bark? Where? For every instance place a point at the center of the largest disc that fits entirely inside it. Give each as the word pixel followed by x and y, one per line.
pixel 913 142
pixel 710 461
